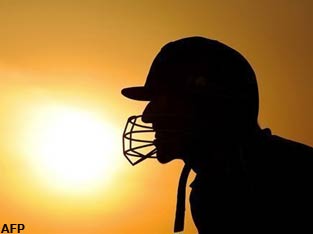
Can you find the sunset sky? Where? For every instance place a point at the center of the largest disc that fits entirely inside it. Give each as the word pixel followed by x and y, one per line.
pixel 62 66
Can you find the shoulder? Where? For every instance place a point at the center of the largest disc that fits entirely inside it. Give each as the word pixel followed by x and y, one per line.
pixel 286 156
pixel 288 149
pixel 291 147
pixel 267 143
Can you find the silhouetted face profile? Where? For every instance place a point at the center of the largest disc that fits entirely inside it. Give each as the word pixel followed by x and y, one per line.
pixel 169 117
pixel 201 94
pixel 181 124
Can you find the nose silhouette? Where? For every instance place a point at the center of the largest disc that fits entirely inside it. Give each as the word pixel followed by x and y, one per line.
pixel 156 108
pixel 147 115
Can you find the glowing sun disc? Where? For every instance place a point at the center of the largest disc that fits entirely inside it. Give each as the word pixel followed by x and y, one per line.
pixel 71 149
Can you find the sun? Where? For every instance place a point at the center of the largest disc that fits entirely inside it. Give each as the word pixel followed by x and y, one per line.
pixel 71 149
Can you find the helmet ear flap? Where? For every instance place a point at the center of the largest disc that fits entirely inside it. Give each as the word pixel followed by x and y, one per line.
pixel 237 114
pixel 247 115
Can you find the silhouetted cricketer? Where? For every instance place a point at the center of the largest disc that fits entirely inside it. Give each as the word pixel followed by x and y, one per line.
pixel 203 106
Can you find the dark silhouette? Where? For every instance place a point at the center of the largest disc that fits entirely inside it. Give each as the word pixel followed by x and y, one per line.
pixel 204 108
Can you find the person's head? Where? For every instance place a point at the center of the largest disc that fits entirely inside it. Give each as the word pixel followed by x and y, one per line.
pixel 200 92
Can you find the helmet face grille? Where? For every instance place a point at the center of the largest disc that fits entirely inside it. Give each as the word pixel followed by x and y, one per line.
pixel 136 144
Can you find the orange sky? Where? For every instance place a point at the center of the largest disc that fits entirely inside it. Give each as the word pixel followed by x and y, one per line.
pixel 80 54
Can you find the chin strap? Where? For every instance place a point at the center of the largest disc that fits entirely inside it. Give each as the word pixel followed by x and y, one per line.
pixel 181 197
